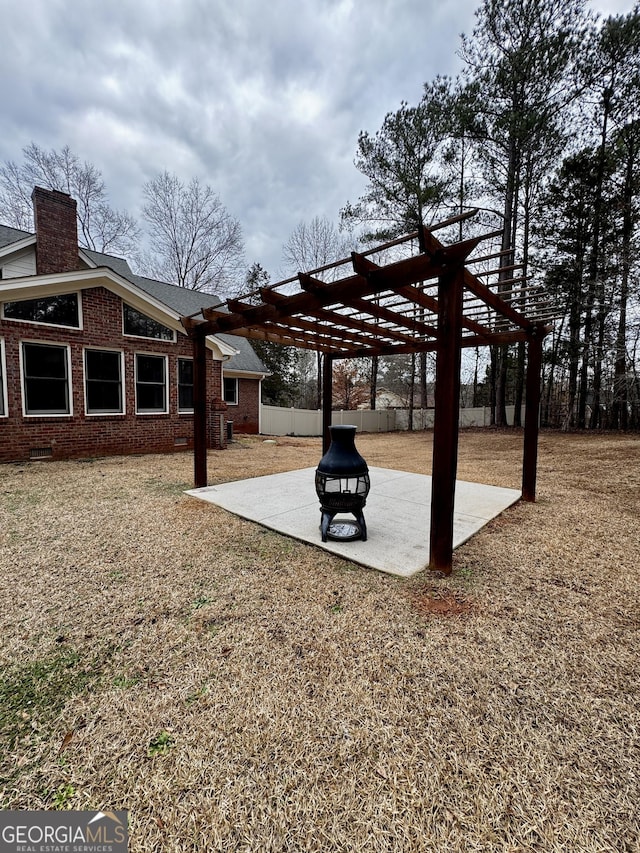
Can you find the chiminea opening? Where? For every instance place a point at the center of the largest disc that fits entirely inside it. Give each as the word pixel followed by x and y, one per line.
pixel 342 486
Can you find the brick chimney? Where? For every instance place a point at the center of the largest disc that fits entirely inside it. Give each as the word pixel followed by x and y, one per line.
pixel 54 214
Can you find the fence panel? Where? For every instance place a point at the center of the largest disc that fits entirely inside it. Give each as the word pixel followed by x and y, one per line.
pixel 281 421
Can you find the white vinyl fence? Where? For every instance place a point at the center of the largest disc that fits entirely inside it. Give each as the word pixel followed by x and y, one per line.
pixel 478 417
pixel 279 421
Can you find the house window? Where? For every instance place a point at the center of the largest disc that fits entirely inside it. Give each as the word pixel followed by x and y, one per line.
pixel 103 382
pixel 140 326
pixel 185 385
pixel 3 382
pixel 230 390
pixel 63 310
pixel 45 373
pixel 151 384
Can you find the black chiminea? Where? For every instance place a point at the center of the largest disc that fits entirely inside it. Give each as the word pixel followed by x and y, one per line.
pixel 342 485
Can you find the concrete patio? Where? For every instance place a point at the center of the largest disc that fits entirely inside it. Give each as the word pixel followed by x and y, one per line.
pixel 397 513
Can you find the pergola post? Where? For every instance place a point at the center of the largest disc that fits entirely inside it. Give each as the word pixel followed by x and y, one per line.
pixel 531 418
pixel 445 432
pixel 199 411
pixel 327 400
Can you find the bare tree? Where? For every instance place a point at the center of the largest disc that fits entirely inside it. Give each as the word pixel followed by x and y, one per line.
pixel 311 245
pixel 100 227
pixel 314 244
pixel 196 242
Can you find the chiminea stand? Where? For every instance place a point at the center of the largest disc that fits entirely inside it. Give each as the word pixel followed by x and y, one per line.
pixel 342 486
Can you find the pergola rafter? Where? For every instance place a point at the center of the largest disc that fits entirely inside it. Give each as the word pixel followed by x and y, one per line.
pixel 430 301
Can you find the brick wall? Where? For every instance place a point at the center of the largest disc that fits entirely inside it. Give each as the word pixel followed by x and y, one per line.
pixel 82 435
pixel 56 231
pixel 246 415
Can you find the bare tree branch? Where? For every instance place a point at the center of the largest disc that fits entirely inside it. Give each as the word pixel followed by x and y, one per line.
pixel 314 244
pixel 197 243
pixel 100 227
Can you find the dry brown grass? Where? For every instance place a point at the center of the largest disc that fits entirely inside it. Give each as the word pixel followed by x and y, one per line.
pixel 239 691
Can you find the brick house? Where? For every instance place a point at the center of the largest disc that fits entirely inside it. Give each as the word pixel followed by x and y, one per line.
pixel 93 358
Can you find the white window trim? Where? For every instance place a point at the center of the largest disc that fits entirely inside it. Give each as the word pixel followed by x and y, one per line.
pixel 77 328
pixel 66 347
pixel 164 356
pixel 178 360
pixel 144 337
pixel 234 379
pixel 122 384
pixel 3 384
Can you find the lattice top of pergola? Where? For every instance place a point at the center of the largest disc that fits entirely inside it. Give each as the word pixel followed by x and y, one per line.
pixel 373 308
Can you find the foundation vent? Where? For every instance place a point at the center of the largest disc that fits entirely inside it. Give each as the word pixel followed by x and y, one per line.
pixel 41 453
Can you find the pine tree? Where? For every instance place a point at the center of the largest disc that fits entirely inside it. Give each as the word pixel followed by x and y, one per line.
pixel 520 59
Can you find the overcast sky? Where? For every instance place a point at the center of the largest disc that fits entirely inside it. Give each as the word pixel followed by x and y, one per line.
pixel 261 100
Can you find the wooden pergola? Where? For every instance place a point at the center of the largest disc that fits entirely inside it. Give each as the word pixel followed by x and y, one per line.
pixel 436 299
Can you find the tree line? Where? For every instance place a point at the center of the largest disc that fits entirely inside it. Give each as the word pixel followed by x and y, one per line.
pixel 540 131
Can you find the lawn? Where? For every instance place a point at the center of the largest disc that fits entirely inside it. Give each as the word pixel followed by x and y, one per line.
pixel 236 690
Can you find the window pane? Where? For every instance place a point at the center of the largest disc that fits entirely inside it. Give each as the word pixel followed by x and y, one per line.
pixel 103 365
pixel 151 398
pixel 42 361
pixel 185 384
pixel 136 323
pixel 185 397
pixel 104 385
pixel 45 379
pixel 231 390
pixel 57 310
pixel 150 383
pixel 103 397
pixel 185 371
pixel 150 368
pixel 46 396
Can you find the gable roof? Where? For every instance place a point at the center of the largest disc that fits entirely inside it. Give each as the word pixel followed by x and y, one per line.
pixel 10 235
pixel 188 302
pixel 180 300
pixel 99 259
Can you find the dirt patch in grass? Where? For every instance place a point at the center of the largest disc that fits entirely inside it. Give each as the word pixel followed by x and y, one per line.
pixel 236 690
pixel 449 604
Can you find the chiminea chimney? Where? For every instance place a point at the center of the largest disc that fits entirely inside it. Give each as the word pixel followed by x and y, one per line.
pixel 56 231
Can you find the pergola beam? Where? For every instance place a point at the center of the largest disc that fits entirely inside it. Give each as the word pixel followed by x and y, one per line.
pixel 473 284
pixel 494 301
pixel 466 341
pixel 299 339
pixel 413 294
pixel 384 313
pixel 358 303
pixel 338 319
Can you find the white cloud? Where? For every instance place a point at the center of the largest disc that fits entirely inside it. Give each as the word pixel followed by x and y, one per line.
pixel 262 101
